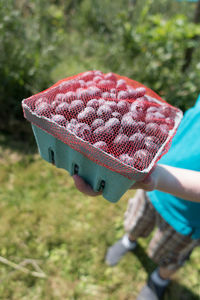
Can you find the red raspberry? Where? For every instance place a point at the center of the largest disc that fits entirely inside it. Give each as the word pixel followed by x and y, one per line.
pixel 123 107
pixel 113 96
pixel 106 84
pixel 101 145
pixel 129 126
pixel 153 139
pixel 98 73
pixel 150 145
pixel 155 118
pixel 138 116
pixel 82 84
pixel 102 101
pixel 70 85
pixel 121 84
pixel 152 129
pixel 102 133
pixel 113 105
pixel 83 131
pixel 113 91
pixel 87 76
pixel 140 92
pixel 126 159
pixel 117 115
pixel 74 122
pixel 71 127
pixel 141 126
pixel 54 105
pixel 97 123
pixel 69 97
pixel 165 110
pixel 94 103
pixel 132 94
pixel 96 79
pixel 40 101
pixel 105 95
pixel 59 97
pixel 110 76
pixel 120 144
pixel 43 109
pixel 59 119
pixel 142 159
pixel 114 124
pixel 122 95
pixel 152 109
pixel 136 142
pixel 104 112
pixel 76 107
pixel 138 106
pixel 63 109
pixel 90 84
pixel 170 122
pixel 87 115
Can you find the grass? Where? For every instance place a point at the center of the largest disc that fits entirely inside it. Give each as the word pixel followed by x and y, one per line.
pixel 43 217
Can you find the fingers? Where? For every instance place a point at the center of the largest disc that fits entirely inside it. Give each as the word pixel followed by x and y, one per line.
pixel 147 184
pixel 84 187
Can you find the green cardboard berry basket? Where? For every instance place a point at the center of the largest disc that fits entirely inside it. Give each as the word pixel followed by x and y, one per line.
pixel 65 150
pixel 75 156
pixel 112 184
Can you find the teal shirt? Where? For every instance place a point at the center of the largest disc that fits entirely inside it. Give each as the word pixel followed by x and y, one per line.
pixel 182 215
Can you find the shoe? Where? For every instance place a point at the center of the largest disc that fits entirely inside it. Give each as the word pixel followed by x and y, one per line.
pixel 152 291
pixel 118 250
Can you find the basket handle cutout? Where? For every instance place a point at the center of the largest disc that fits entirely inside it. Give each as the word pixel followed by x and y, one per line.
pixel 51 156
pixel 76 169
pixel 101 185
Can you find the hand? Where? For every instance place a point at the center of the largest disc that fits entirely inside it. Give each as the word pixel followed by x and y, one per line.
pixel 148 184
pixel 84 187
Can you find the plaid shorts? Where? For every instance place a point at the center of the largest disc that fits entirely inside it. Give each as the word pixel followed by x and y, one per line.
pixel 167 248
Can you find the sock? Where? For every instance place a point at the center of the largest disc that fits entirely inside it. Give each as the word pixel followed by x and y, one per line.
pixel 119 249
pixel 127 243
pixel 155 277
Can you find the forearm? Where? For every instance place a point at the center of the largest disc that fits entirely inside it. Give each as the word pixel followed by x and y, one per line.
pixel 181 183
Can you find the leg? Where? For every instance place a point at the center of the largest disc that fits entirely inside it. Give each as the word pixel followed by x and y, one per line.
pixel 165 273
pixel 139 222
pixel 183 248
pixel 139 218
pixel 169 250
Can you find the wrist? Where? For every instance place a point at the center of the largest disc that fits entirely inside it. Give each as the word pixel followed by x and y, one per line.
pixel 155 175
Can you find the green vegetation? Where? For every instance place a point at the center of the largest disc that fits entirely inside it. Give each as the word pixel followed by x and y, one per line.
pixel 28 51
pixel 126 37
pixel 43 216
pixel 142 42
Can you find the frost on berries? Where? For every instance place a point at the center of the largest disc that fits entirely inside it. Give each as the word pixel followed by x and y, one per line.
pixel 59 119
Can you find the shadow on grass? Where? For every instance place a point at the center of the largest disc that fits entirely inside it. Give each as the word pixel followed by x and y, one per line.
pixel 176 291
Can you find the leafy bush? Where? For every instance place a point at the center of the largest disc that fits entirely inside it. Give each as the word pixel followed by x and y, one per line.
pixel 141 43
pixel 157 48
pixel 28 41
